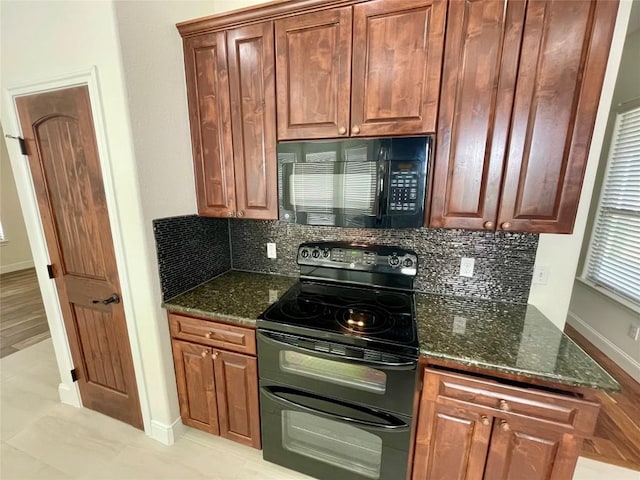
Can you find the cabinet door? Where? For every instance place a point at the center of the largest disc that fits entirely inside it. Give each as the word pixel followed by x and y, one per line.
pixel 525 450
pixel 253 116
pixel 397 58
pixel 478 80
pixel 237 393
pixel 196 386
pixel 451 443
pixel 205 59
pixel 313 71
pixel 565 46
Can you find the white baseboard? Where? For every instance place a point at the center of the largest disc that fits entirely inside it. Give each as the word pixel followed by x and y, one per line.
pixel 69 395
pixel 167 434
pixel 14 267
pixel 610 349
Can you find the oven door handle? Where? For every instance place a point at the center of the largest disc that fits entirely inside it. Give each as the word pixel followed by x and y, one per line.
pixel 369 425
pixel 409 365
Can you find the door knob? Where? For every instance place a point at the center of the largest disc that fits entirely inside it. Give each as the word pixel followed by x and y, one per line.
pixel 106 301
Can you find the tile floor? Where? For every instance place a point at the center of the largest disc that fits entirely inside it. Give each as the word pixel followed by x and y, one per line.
pixel 43 439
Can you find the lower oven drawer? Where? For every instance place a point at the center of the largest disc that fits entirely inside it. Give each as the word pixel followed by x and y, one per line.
pixel 387 385
pixel 331 440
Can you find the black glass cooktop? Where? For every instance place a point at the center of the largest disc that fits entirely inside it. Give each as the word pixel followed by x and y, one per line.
pixel 365 316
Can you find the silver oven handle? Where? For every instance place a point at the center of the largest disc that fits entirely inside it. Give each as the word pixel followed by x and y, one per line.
pixel 371 425
pixel 409 365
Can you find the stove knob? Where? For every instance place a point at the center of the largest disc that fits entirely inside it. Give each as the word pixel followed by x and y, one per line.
pixel 315 253
pixel 325 253
pixel 408 263
pixel 304 253
pixel 394 261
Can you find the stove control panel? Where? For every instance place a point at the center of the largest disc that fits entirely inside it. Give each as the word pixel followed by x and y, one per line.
pixel 354 256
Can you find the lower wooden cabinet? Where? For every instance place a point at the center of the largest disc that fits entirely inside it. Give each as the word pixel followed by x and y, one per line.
pixel 217 389
pixel 476 429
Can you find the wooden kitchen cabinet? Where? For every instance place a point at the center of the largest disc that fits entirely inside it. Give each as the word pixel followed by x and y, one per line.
pixel 521 84
pixel 379 77
pixel 231 97
pixel 473 429
pixel 217 389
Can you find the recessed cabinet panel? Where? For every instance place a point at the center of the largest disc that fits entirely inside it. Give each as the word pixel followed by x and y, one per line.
pixel 397 55
pixel 478 81
pixel 208 98
pixel 253 115
pixel 313 55
pixel 564 51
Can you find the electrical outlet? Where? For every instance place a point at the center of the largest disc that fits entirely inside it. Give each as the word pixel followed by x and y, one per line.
pixel 273 295
pixel 271 250
pixel 634 332
pixel 466 266
pixel 540 275
pixel 459 324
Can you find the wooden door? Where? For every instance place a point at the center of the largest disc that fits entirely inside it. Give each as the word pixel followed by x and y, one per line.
pixel 527 450
pixel 196 385
pixel 478 81
pixel 237 394
pixel 205 59
pixel 313 72
pixel 397 58
pixel 253 116
pixel 65 166
pixel 564 52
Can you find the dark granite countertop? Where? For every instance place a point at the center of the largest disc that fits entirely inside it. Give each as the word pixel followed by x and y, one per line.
pixel 507 338
pixel 493 336
pixel 237 297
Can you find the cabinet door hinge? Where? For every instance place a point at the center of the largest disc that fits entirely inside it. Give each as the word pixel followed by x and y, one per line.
pixel 74 375
pixel 50 271
pixel 21 142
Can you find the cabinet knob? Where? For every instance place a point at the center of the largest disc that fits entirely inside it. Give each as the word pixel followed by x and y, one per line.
pixel 485 420
pixel 355 129
pixel 215 355
pixel 504 426
pixel 488 225
pixel 504 405
pixel 204 353
pixel 208 335
pixel 230 213
pixel 342 130
pixel 505 225
pixel 241 213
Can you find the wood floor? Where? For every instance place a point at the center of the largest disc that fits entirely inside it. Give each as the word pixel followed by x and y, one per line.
pixel 22 318
pixel 617 435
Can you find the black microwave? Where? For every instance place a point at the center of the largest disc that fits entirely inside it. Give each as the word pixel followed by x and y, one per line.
pixel 365 183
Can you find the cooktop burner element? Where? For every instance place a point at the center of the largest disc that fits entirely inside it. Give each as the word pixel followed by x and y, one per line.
pixel 358 295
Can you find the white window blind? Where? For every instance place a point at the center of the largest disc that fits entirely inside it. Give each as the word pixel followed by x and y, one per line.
pixel 614 258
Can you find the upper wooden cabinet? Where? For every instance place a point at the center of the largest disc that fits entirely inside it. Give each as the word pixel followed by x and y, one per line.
pixel 520 89
pixel 231 96
pixel 386 67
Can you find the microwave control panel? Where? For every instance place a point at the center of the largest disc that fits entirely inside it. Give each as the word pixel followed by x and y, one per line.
pixel 403 188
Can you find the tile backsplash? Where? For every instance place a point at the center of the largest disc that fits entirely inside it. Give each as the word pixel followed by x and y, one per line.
pixel 503 261
pixel 191 250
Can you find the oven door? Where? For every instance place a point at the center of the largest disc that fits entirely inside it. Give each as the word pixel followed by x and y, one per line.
pixel 329 439
pixel 385 385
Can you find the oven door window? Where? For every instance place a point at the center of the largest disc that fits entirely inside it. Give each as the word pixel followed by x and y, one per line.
pixel 331 442
pixel 349 375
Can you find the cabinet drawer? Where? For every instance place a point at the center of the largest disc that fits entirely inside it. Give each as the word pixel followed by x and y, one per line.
pixel 509 402
pixel 206 332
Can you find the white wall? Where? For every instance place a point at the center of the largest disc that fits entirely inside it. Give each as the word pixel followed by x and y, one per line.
pixel 15 253
pixel 43 40
pixel 560 253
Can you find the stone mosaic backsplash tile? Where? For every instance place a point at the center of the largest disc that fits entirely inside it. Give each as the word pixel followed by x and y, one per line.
pixel 191 250
pixel 503 261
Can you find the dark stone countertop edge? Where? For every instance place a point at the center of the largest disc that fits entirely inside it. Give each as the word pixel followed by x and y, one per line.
pixel 207 315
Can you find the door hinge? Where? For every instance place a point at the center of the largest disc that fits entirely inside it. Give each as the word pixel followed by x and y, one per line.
pixel 21 142
pixel 74 375
pixel 50 271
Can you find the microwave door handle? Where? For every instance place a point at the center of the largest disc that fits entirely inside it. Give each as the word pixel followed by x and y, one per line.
pixel 368 425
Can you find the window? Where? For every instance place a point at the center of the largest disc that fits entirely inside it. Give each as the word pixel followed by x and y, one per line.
pixel 1 233
pixel 614 255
